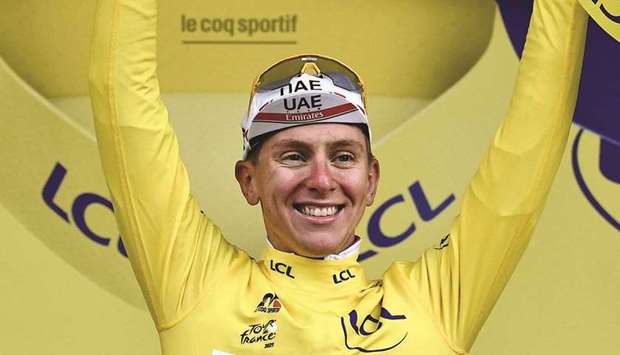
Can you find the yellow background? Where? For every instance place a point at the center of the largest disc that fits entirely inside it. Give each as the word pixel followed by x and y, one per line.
pixel 440 75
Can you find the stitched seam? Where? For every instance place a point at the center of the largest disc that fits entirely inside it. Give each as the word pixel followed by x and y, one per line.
pixel 558 107
pixel 119 146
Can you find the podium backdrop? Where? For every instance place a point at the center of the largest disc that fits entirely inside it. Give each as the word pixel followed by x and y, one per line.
pixel 440 75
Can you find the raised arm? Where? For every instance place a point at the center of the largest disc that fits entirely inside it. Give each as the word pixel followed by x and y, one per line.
pixel 170 243
pixel 461 280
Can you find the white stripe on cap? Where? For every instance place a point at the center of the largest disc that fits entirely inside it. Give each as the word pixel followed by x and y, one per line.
pixel 306 99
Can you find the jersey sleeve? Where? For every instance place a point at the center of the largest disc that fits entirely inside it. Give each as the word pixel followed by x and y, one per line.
pixel 461 279
pixel 175 251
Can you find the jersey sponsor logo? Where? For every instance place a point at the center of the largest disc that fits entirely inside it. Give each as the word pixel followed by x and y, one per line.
pixel 260 333
pixel 370 326
pixel 281 268
pixel 343 276
pixel 269 304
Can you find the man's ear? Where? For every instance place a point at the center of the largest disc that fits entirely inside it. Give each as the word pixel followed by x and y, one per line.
pixel 245 172
pixel 374 172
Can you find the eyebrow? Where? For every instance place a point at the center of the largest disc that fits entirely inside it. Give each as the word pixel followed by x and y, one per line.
pixel 291 143
pixel 346 143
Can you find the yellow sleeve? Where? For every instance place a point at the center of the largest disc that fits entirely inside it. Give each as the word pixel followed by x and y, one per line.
pixel 175 251
pixel 461 279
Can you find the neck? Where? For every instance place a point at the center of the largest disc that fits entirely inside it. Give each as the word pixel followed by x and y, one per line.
pixel 351 248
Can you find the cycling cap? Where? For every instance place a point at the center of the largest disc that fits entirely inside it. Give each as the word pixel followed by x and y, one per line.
pixel 304 89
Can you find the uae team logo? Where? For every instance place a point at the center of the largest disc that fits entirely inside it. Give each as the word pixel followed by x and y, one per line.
pixel 269 304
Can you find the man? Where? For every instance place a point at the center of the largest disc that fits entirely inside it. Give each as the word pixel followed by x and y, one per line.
pixel 308 162
pixel 313 180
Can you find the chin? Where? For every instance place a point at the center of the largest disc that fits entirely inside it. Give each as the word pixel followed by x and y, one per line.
pixel 320 245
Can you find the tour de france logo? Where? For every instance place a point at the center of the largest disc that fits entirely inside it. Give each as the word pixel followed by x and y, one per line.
pixel 260 333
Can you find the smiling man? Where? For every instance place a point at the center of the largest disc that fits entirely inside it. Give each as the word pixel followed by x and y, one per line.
pixel 313 184
pixel 307 155
pixel 308 162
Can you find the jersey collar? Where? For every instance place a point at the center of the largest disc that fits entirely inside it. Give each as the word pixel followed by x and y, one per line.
pixel 340 272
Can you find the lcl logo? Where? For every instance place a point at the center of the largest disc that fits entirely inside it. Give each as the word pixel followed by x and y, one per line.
pixel 281 268
pixel 369 325
pixel 78 207
pixel 342 276
pixel 426 209
pixel 595 185
pixel 605 11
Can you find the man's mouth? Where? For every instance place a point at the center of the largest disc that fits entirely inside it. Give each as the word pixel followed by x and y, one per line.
pixel 318 211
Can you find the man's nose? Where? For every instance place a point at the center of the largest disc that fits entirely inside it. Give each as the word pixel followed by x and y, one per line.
pixel 320 176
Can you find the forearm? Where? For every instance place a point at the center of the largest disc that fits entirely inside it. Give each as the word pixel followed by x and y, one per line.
pixel 506 196
pixel 149 185
pixel 517 171
pixel 130 120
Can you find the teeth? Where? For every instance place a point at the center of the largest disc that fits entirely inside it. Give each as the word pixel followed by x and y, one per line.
pixel 319 211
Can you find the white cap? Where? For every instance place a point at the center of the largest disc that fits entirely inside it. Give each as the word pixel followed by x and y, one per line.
pixel 305 99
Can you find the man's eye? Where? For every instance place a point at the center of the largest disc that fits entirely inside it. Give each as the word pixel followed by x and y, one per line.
pixel 344 158
pixel 293 157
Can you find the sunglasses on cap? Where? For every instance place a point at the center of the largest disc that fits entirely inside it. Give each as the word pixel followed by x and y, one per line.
pixel 279 74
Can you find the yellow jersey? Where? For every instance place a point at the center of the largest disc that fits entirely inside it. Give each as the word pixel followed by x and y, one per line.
pixel 208 297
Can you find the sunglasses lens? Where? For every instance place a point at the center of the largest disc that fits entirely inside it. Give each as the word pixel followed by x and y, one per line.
pixel 281 73
pixel 341 75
